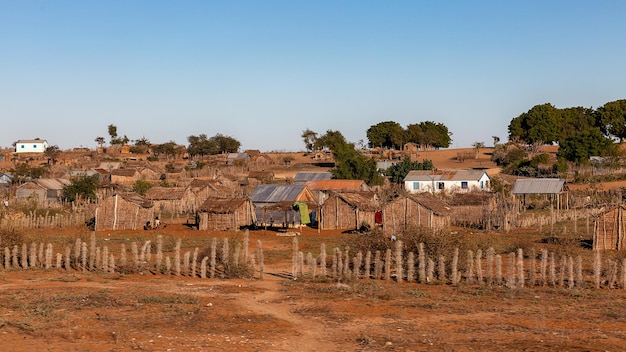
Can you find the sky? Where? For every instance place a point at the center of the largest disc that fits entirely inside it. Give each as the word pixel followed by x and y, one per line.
pixel 262 72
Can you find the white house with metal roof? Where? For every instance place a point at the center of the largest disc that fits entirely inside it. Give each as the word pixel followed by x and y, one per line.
pixel 31 146
pixel 453 181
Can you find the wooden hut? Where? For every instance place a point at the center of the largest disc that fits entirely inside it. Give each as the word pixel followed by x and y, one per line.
pixel 609 229
pixel 172 200
pixel 222 214
pixel 124 211
pixel 348 211
pixel 408 211
pixel 274 204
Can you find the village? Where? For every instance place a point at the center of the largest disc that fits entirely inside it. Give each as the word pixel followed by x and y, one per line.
pixel 264 227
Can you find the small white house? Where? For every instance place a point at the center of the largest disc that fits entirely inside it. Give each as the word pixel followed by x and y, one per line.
pixel 452 181
pixel 31 146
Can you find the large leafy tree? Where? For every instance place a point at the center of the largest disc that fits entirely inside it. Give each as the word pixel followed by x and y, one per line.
pixel 434 134
pixel 201 145
pixel 81 188
pixel 349 163
pixel 53 152
pixel 539 124
pixel 388 134
pixel 612 118
pixel 590 142
pixel 169 149
pixel 226 144
pixel 23 172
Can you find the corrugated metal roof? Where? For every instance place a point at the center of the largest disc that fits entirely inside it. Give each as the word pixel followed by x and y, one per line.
pixel 538 186
pixel 276 193
pixel 304 176
pixel 52 183
pixel 444 175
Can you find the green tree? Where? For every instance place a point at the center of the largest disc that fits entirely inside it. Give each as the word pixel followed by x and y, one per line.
pixel 141 187
pixel 201 146
pixel 349 163
pixel 397 172
pixel 434 134
pixel 226 144
pixel 539 124
pixel 612 118
pixel 100 141
pixel 52 152
pixel 169 149
pixel 81 188
pixel 388 134
pixel 591 142
pixel 23 172
pixel 310 140
pixel 112 129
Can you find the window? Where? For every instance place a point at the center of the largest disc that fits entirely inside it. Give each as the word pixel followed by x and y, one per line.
pixel 34 146
pixel 464 184
pixel 440 185
pixel 416 185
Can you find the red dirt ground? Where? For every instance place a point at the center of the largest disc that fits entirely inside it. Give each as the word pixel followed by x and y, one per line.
pixel 72 311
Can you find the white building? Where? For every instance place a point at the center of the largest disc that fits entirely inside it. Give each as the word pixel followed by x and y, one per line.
pixel 452 181
pixel 31 146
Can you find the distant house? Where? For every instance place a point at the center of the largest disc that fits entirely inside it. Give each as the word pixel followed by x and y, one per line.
pixel 237 158
pixel 452 181
pixel 31 146
pixel 306 176
pixel 44 190
pixel 84 173
pixel 348 211
pixel 222 214
pixel 124 176
pixel 6 181
pixel 410 211
pixel 109 165
pixel 274 204
pixel 123 211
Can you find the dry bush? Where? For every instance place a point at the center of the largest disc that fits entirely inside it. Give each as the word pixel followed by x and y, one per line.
pixel 11 236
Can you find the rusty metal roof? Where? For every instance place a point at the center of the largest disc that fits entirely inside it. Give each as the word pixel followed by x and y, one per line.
pixel 538 186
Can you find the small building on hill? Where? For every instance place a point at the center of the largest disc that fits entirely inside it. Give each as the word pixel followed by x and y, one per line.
pixel 410 211
pixel 552 188
pixel 348 211
pixel 126 177
pixel 31 146
pixel 223 214
pixel 124 211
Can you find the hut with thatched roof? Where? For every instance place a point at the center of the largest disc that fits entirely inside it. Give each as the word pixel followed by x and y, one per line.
pixel 222 214
pixel 172 200
pixel 408 211
pixel 348 211
pixel 123 211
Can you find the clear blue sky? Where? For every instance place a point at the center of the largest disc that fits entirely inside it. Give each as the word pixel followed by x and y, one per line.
pixel 264 71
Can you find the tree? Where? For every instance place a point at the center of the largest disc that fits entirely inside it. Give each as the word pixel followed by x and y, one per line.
pixel 539 124
pixel 81 188
pixel 388 134
pixel 226 144
pixel 141 187
pixel 52 152
pixel 113 133
pixel 201 145
pixel 591 142
pixel 397 172
pixel 477 147
pixel 100 141
pixel 435 135
pixel 349 163
pixel 496 139
pixel 612 118
pixel 310 140
pixel 168 148
pixel 23 172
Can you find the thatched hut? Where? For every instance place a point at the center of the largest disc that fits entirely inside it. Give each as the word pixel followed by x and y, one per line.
pixel 407 211
pixel 609 229
pixel 222 214
pixel 348 211
pixel 123 211
pixel 172 200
